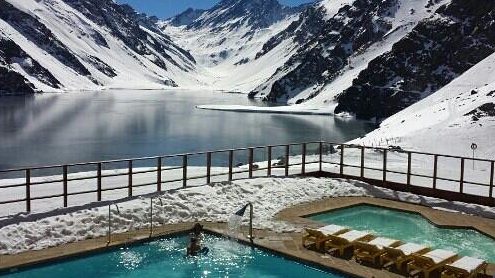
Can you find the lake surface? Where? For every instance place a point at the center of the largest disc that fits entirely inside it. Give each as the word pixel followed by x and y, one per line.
pixel 52 129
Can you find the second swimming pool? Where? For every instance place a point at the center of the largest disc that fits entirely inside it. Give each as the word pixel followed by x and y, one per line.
pixel 410 227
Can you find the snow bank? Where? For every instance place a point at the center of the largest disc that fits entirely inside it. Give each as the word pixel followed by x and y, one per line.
pixel 214 203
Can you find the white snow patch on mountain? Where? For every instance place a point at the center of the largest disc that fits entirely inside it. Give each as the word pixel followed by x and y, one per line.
pixel 439 122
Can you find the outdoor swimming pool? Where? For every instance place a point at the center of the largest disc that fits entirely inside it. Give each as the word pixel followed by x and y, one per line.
pixel 165 258
pixel 410 227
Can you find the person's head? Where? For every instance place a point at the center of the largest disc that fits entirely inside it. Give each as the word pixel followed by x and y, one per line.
pixel 197 228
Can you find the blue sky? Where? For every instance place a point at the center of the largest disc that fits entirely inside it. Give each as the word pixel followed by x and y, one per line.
pixel 168 8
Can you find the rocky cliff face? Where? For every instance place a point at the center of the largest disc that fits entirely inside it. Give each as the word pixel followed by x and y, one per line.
pixel 232 14
pixel 325 45
pixel 187 17
pixel 439 49
pixel 12 54
pixel 35 31
pixel 96 43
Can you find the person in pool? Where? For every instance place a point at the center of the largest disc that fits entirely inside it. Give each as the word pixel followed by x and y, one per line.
pixel 194 248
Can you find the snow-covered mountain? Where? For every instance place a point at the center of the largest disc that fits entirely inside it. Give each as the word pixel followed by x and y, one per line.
pixel 54 45
pixel 437 51
pixel 369 58
pixel 448 121
pixel 225 39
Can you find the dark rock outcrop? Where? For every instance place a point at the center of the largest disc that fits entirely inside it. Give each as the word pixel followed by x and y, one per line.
pixel 31 28
pixel 485 110
pixel 11 53
pixel 439 49
pixel 325 45
pixel 125 23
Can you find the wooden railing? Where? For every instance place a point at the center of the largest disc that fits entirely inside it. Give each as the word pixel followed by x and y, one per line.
pixel 309 158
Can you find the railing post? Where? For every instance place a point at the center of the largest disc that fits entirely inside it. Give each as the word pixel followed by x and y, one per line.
pixel 384 165
pixel 321 156
pixel 269 168
pixel 362 162
pixel 184 171
pixel 109 233
pixel 492 175
pixel 159 174
pixel 151 216
pixel 342 159
pixel 64 169
pixel 435 171
pixel 287 151
pixel 250 162
pixel 462 176
pixel 28 190
pixel 98 182
pixel 208 167
pixel 231 162
pixel 129 186
pixel 303 165
pixel 409 158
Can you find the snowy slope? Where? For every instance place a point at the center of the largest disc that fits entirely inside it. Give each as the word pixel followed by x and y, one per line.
pixel 402 23
pixel 225 40
pixel 321 91
pixel 107 58
pixel 450 120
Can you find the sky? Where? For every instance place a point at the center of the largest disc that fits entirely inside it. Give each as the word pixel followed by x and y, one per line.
pixel 168 8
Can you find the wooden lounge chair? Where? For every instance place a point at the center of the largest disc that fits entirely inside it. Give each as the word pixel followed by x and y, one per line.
pixel 344 241
pixel 397 256
pixel 429 262
pixel 465 267
pixel 371 251
pixel 319 236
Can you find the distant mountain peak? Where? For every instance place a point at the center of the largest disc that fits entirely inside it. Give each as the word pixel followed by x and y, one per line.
pixel 231 14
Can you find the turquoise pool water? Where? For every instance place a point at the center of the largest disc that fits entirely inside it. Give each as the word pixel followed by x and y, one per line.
pixel 165 258
pixel 411 227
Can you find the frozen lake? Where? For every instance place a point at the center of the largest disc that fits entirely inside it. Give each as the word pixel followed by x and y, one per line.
pixel 91 126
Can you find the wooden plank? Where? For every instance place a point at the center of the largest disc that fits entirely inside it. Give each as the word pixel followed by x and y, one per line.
pixel 287 152
pixel 184 171
pixel 492 175
pixel 28 190
pixel 159 174
pixel 362 162
pixel 462 176
pixel 409 158
pixel 65 170
pixel 435 171
pixel 385 166
pixel 269 168
pixel 250 162
pixel 303 165
pixel 98 182
pixel 208 167
pixel 342 159
pixel 321 156
pixel 231 162
pixel 129 184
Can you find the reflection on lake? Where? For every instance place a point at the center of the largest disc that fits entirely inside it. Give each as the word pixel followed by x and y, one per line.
pixel 77 127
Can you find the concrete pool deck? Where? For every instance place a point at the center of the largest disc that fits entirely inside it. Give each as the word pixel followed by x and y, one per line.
pixel 286 244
